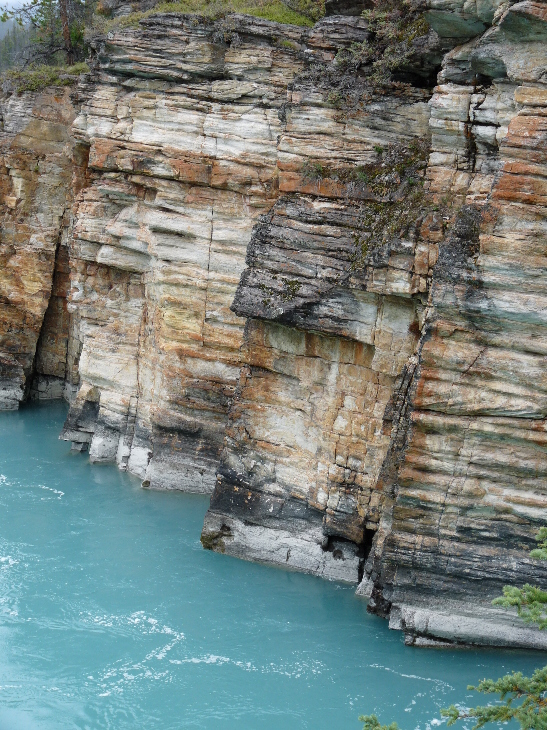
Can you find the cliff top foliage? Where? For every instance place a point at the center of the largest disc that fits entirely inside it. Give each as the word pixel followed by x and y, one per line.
pixel 53 31
pixel 56 32
pixel 36 78
pixel 298 12
pixel 394 26
pixel 386 62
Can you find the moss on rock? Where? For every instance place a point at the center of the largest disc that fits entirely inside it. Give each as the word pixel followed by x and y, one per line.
pixel 36 78
pixel 274 10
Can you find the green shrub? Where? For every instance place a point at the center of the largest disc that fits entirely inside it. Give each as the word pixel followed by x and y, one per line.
pixel 289 45
pixel 36 78
pixel 388 62
pixel 312 9
pixel 274 10
pixel 394 26
pixel 394 201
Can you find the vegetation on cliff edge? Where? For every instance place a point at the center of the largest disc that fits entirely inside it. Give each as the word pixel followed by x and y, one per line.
pixel 394 26
pixel 386 62
pixel 36 78
pixel 275 10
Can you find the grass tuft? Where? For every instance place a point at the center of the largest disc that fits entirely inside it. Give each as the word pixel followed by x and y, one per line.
pixel 274 10
pixel 36 78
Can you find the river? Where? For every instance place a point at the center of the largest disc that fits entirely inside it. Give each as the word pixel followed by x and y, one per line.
pixel 113 616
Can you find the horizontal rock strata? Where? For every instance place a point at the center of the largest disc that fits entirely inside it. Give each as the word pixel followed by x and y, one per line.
pixel 182 122
pixel 470 491
pixel 38 162
pixel 440 463
pixel 306 436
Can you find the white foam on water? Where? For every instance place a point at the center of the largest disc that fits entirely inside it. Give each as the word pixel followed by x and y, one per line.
pixel 7 561
pixel 295 670
pixel 437 682
pixel 219 660
pixel 144 624
pixel 435 722
pixel 4 481
pixel 50 489
pixel 9 580
pixel 209 659
pixel 123 674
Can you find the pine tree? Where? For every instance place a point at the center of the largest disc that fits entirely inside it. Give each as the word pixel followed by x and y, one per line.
pixel 51 30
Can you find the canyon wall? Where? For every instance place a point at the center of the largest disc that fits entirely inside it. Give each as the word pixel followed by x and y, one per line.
pixel 182 123
pixel 466 492
pixel 40 167
pixel 251 272
pixel 388 423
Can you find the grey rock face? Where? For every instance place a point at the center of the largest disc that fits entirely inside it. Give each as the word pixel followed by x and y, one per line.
pixel 437 495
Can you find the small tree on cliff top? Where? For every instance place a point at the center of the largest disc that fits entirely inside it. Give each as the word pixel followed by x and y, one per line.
pixel 523 699
pixel 55 29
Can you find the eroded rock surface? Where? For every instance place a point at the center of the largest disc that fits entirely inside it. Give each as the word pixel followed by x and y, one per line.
pixel 432 448
pixel 182 122
pixel 38 163
pixel 468 493
pixel 306 436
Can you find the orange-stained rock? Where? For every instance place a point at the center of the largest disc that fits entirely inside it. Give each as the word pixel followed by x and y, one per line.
pixel 467 477
pixel 37 164
pixel 431 455
pixel 182 162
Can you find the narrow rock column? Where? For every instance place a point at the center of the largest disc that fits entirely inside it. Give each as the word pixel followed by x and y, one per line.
pixel 36 171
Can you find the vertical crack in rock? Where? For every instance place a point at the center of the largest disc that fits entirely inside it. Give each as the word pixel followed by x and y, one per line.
pixel 49 371
pixel 470 489
pixel 179 174
pixel 334 313
pixel 455 489
pixel 37 165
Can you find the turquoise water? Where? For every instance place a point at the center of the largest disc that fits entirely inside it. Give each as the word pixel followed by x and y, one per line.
pixel 113 616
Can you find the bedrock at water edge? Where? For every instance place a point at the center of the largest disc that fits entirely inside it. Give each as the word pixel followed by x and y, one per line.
pixel 257 272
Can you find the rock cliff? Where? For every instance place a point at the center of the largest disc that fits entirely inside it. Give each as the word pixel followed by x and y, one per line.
pixel 40 167
pixel 256 269
pixel 388 421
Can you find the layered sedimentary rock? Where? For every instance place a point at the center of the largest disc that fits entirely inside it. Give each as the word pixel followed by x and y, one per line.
pixel 434 453
pixel 38 164
pixel 336 302
pixel 306 439
pixel 469 491
pixel 182 121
